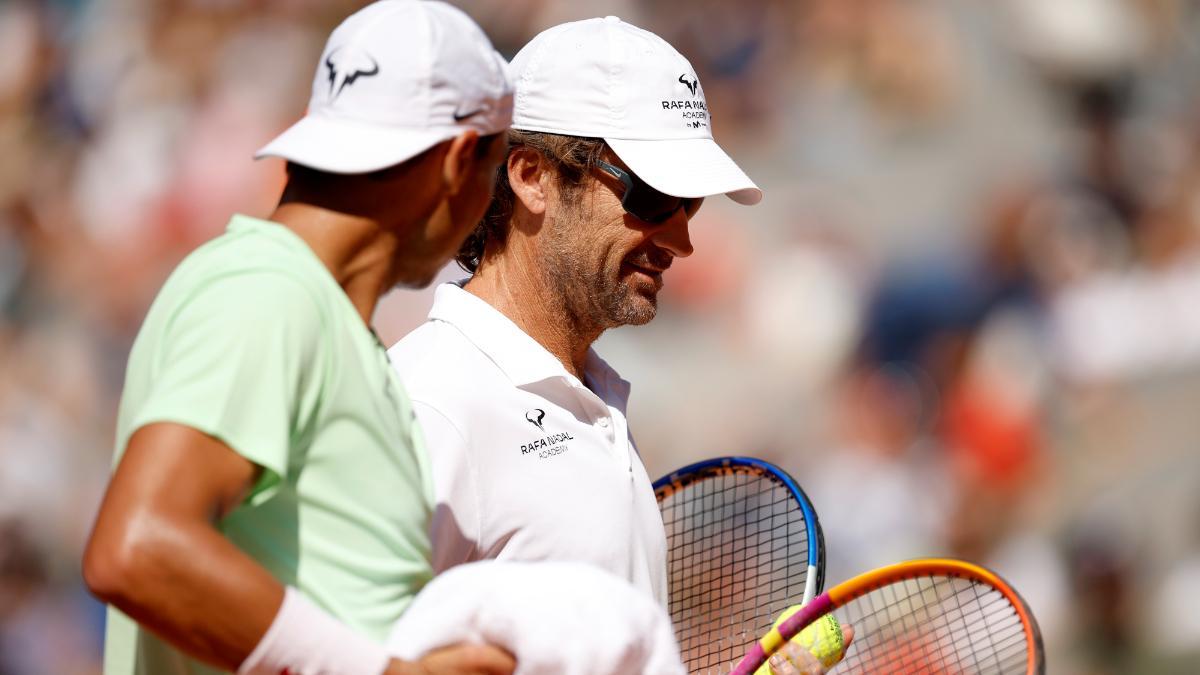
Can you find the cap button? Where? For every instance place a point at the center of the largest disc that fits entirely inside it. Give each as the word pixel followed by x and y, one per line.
pixel 612 19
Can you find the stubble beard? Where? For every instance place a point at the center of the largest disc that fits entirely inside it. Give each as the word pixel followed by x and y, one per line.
pixel 594 298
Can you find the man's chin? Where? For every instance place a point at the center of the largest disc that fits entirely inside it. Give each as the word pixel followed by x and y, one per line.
pixel 413 280
pixel 641 319
pixel 640 309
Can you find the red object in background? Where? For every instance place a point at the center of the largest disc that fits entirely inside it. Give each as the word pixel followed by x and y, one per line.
pixel 990 440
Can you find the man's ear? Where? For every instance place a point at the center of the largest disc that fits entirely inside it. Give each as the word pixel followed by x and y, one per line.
pixel 459 163
pixel 529 175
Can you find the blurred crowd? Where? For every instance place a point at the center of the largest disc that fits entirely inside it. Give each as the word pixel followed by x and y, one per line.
pixel 960 317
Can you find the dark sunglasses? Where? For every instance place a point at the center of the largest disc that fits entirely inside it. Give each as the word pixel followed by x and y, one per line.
pixel 644 202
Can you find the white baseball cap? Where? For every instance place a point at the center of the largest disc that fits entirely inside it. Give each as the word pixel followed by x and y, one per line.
pixel 605 78
pixel 396 78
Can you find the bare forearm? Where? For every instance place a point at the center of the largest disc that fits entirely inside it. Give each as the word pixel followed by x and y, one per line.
pixel 189 585
pixel 156 554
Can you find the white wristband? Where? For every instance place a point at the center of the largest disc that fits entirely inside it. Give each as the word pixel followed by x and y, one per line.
pixel 305 640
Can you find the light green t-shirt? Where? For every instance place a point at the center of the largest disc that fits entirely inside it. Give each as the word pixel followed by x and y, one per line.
pixel 253 342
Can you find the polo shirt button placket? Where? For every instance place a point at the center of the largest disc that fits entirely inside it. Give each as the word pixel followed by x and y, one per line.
pixel 606 424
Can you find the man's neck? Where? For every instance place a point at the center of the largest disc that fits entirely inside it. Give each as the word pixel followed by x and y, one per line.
pixel 357 252
pixel 519 294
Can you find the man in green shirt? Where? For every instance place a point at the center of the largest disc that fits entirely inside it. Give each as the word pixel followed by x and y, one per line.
pixel 269 504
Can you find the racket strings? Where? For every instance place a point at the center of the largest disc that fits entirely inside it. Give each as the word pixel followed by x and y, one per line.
pixel 936 625
pixel 737 557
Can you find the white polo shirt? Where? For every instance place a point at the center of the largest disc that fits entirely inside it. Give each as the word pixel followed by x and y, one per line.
pixel 528 462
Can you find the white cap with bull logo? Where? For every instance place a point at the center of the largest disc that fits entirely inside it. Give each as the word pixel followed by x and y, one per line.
pixel 605 78
pixel 396 78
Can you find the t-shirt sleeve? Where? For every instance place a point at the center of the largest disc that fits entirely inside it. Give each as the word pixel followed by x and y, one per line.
pixel 239 361
pixel 455 528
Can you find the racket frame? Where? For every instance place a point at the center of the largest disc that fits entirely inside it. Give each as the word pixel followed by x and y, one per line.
pixel 845 592
pixel 722 466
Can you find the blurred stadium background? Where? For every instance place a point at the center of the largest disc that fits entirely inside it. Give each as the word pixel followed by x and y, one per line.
pixel 965 315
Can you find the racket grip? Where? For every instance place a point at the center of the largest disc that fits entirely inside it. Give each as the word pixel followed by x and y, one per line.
pixel 776 637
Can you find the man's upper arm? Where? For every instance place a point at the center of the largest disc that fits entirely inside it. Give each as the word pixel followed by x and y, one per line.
pixel 155 556
pixel 176 469
pixel 169 478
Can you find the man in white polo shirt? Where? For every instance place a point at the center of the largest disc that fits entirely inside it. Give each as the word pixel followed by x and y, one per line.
pixel 611 154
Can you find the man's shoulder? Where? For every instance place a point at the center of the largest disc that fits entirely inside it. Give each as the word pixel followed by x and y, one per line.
pixel 260 268
pixel 432 341
pixel 250 296
pixel 441 367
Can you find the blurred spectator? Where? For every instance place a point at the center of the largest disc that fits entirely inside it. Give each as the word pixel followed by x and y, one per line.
pixel 1103 569
pixel 879 487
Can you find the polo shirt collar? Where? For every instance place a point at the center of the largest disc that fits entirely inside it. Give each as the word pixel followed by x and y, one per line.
pixel 522 359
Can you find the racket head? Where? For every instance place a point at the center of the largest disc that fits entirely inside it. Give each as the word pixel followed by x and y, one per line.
pixel 934 615
pixel 743 544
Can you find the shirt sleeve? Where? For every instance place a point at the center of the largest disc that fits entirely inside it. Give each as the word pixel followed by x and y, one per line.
pixel 456 528
pixel 240 362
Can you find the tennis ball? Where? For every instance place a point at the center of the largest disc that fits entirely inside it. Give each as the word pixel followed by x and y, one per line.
pixel 822 637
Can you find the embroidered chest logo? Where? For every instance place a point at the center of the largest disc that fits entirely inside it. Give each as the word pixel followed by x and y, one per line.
pixel 544 446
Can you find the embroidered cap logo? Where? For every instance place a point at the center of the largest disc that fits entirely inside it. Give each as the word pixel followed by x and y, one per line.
pixel 347 65
pixel 692 84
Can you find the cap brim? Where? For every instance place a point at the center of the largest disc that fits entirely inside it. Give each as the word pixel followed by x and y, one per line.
pixel 691 167
pixel 348 147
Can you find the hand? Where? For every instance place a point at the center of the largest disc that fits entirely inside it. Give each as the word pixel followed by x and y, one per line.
pixel 458 660
pixel 794 659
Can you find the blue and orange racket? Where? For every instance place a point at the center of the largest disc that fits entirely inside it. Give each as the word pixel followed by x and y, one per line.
pixel 935 617
pixel 743 543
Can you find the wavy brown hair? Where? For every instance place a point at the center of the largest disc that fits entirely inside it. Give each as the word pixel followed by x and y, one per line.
pixel 573 158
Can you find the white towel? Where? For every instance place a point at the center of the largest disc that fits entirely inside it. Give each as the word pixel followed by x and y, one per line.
pixel 557 618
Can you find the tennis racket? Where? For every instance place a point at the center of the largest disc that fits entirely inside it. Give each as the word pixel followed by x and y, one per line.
pixel 743 542
pixel 923 616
